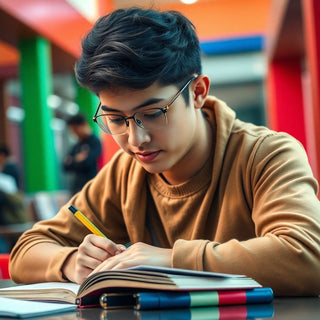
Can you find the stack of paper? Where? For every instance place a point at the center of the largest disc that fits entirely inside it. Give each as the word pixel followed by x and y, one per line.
pixel 15 308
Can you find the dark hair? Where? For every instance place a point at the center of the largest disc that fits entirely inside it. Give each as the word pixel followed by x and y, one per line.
pixel 135 47
pixel 76 120
pixel 4 150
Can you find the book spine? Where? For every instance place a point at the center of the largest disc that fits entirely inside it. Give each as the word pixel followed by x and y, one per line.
pixel 257 295
pixel 161 300
pixel 87 302
pixel 117 300
pixel 260 295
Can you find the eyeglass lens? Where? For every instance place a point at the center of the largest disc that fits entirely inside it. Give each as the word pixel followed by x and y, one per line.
pixel 149 119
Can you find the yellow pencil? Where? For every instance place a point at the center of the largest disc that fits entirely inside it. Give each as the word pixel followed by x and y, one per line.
pixel 86 222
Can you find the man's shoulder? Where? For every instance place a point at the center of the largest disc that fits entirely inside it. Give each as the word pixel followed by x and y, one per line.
pixel 12 169
pixel 93 138
pixel 262 143
pixel 250 129
pixel 10 165
pixel 240 133
pixel 261 133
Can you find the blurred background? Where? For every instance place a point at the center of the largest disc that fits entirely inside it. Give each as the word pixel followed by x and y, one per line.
pixel 263 58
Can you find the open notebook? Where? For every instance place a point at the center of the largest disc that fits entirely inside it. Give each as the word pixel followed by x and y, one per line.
pixel 142 278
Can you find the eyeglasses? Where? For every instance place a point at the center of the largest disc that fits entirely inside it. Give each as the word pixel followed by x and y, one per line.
pixel 149 119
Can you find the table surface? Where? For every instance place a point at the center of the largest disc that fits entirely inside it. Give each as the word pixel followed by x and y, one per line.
pixel 297 308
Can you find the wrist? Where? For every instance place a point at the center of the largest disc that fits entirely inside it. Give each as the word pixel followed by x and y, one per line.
pixel 68 267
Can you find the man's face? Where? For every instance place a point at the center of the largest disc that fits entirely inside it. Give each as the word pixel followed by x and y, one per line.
pixel 77 130
pixel 161 149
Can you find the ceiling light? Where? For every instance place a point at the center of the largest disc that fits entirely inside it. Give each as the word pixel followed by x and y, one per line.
pixel 188 1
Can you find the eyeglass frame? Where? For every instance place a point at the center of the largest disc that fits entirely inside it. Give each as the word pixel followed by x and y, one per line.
pixel 164 110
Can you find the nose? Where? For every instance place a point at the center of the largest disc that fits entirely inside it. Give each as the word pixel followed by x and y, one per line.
pixel 137 136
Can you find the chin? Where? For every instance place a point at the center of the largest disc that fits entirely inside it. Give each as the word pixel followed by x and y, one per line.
pixel 153 169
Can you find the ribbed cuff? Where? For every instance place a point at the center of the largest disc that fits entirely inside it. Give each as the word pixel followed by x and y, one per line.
pixel 189 254
pixel 54 271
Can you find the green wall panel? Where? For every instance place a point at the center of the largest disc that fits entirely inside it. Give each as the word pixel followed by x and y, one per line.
pixel 40 164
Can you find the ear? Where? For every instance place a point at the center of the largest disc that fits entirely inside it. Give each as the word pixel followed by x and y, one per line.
pixel 200 90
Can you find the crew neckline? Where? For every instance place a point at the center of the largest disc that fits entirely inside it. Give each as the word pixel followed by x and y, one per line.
pixel 185 189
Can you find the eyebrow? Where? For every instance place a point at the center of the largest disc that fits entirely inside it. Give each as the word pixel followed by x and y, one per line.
pixel 142 105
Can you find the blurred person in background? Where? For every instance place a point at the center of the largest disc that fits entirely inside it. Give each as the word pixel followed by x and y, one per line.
pixel 10 197
pixel 12 207
pixel 82 159
pixel 8 166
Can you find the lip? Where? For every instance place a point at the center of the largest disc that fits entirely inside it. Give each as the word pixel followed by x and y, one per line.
pixel 147 156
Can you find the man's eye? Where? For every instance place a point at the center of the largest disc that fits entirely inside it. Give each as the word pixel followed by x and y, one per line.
pixel 151 114
pixel 115 120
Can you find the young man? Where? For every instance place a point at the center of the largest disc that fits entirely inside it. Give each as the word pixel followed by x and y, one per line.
pixel 82 159
pixel 192 187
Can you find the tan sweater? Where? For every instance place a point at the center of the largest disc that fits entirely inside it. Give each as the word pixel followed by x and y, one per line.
pixel 251 210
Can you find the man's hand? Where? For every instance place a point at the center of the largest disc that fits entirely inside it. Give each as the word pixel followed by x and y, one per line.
pixel 138 254
pixel 81 156
pixel 91 253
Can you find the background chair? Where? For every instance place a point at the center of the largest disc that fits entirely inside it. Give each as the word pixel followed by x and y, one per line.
pixel 4 266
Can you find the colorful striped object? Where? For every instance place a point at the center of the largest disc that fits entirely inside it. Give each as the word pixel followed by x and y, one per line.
pixel 182 299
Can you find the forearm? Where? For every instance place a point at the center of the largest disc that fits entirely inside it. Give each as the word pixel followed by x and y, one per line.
pixel 41 262
pixel 289 267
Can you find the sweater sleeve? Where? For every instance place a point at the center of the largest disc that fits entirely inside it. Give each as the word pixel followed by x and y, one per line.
pixel 98 200
pixel 285 252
